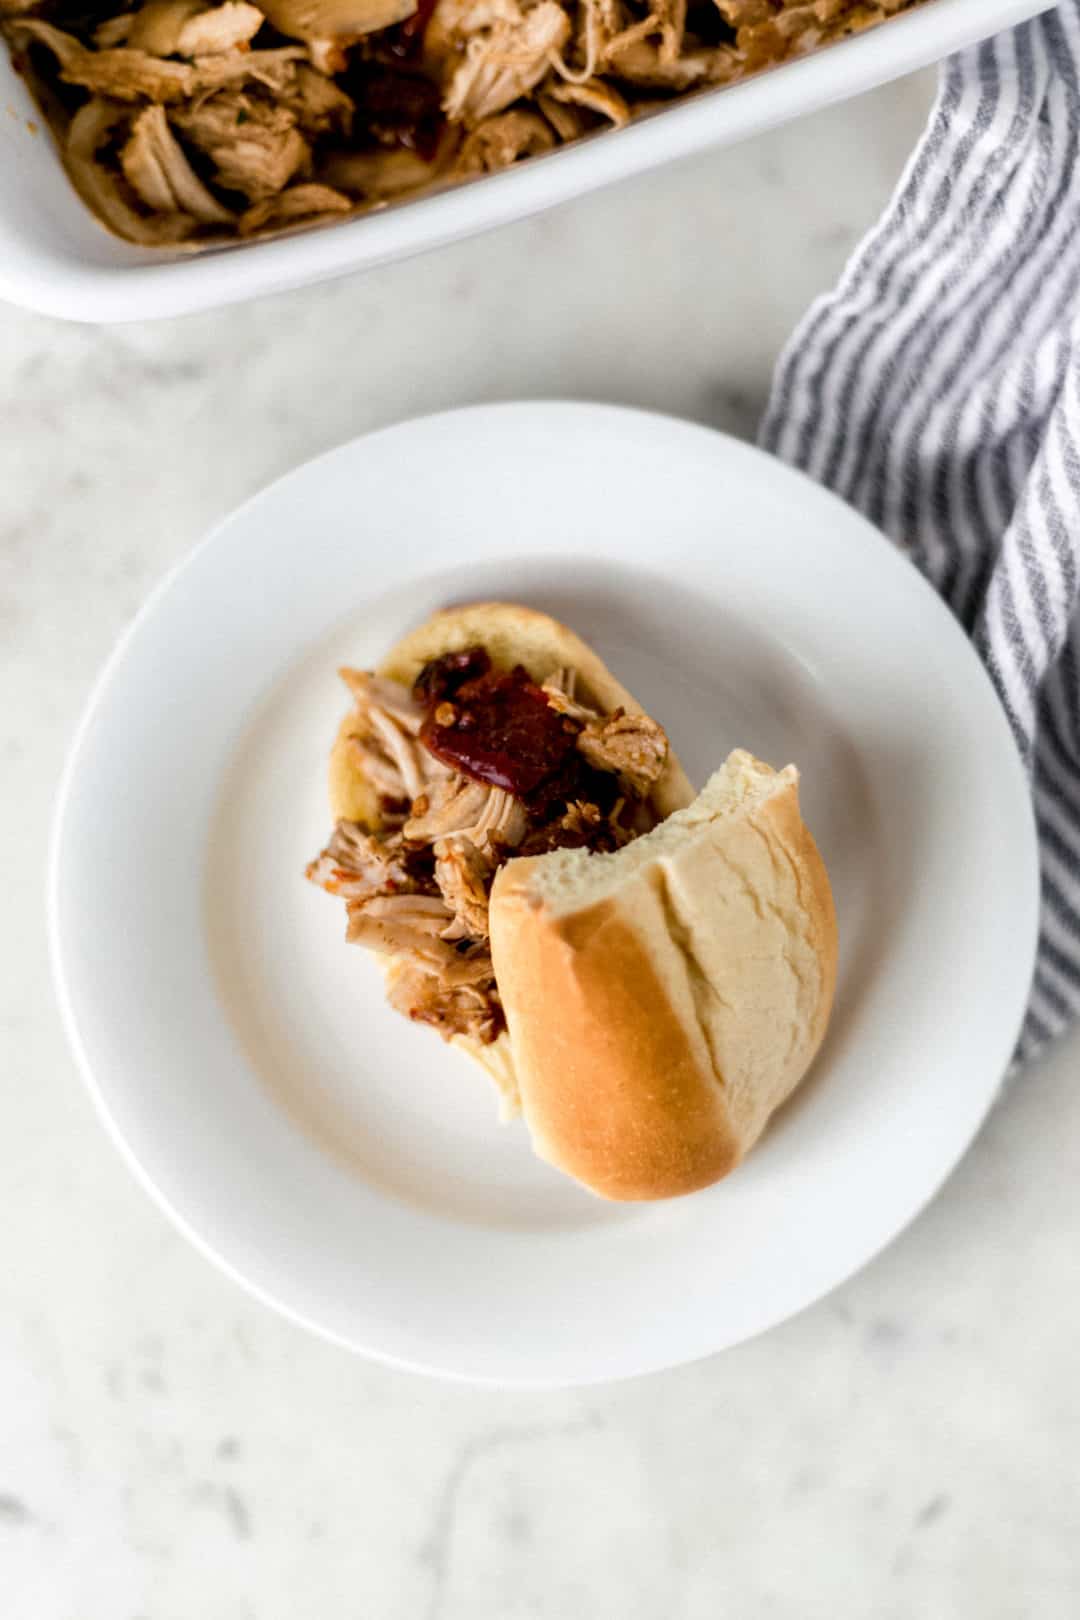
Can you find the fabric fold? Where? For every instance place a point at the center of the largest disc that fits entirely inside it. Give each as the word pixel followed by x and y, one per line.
pixel 937 389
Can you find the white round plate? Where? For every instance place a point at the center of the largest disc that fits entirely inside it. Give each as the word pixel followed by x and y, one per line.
pixel 345 1165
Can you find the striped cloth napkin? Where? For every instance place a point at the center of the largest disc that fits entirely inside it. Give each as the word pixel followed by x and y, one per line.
pixel 937 389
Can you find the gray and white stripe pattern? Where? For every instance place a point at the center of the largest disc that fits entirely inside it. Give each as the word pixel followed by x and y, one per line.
pixel 938 390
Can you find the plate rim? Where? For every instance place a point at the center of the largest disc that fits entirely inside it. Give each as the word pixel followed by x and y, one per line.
pixel 1026 929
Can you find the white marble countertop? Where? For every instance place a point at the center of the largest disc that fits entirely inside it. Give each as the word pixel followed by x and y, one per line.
pixel 170 1450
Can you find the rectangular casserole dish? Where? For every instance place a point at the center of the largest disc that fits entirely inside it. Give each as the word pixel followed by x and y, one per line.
pixel 56 258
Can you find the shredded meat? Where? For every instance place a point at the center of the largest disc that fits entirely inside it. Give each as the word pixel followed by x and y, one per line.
pixel 498 142
pixel 156 26
pixel 595 96
pixel 358 865
pixel 505 61
pixel 416 888
pixel 640 62
pixel 395 700
pixel 568 122
pixel 331 26
pixel 158 172
pixel 372 763
pixel 128 74
pixel 488 816
pixel 467 1009
pixel 287 112
pixel 252 141
pixel 632 746
pixel 107 191
pixel 113 31
pixel 671 23
pixel 304 201
pixel 224 28
pixel 319 106
pixel 412 926
pixel 454 22
pixel 405 751
pixel 583 825
pixel 463 875
pixel 384 737
pixel 379 175
pixel 185 28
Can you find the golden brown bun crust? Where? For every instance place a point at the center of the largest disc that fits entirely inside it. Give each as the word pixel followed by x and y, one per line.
pixel 351 795
pixel 512 634
pixel 660 1013
pixel 611 1089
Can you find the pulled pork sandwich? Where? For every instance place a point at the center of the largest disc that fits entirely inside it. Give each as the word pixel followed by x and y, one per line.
pixel 489 733
pixel 646 975
pixel 185 122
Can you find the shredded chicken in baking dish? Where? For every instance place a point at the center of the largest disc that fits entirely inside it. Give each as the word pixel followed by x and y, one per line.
pixel 188 122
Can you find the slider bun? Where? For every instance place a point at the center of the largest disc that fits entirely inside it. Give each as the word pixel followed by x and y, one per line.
pixel 512 635
pixel 663 1001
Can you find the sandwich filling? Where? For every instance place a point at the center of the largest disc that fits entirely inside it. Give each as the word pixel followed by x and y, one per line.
pixel 473 766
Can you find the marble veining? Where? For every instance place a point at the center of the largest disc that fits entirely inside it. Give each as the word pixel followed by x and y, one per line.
pixel 170 1450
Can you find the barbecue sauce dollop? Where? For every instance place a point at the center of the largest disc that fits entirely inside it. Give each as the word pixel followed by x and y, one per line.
pixel 497 726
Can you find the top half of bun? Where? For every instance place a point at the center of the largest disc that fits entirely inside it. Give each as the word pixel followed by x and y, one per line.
pixel 664 1000
pixel 512 634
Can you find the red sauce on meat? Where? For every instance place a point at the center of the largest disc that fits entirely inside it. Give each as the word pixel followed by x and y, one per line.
pixel 442 676
pixel 496 727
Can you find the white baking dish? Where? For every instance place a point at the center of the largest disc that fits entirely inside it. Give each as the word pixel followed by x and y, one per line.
pixel 54 256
